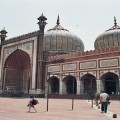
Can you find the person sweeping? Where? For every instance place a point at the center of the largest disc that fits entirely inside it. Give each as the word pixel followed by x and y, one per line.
pixel 32 103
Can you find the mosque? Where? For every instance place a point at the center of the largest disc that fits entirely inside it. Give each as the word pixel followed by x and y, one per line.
pixel 55 62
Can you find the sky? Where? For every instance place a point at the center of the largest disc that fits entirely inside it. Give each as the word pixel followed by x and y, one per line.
pixel 85 18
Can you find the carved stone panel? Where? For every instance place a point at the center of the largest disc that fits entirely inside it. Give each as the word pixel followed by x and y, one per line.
pixel 109 63
pixel 88 65
pixel 54 68
pixel 69 66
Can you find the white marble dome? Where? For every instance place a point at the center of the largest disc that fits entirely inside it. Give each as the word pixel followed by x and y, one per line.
pixel 60 40
pixel 110 38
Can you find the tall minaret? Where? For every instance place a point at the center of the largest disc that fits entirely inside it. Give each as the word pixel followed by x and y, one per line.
pixel 3 33
pixel 42 22
pixel 2 39
pixel 40 57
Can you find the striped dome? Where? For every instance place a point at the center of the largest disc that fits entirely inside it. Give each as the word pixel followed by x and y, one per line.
pixel 60 40
pixel 110 38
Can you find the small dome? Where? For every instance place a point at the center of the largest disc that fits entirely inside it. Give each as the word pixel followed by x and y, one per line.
pixel 110 38
pixel 60 40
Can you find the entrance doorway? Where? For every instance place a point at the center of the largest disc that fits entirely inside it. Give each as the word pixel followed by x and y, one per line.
pixel 89 83
pixel 71 84
pixel 17 72
pixel 110 82
pixel 53 85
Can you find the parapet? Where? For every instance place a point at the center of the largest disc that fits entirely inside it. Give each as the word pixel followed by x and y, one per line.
pixel 21 37
pixel 84 54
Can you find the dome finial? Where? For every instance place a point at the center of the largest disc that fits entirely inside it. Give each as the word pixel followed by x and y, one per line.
pixel 58 20
pixel 115 23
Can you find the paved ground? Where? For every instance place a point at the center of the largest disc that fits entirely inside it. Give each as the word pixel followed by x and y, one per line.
pixel 59 109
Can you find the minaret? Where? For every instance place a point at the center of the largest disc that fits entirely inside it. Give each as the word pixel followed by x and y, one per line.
pixel 42 22
pixel 2 38
pixel 3 35
pixel 40 56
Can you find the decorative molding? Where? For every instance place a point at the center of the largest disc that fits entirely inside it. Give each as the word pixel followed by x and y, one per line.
pixel 115 71
pixel 22 37
pixel 102 72
pixel 88 72
pixel 25 46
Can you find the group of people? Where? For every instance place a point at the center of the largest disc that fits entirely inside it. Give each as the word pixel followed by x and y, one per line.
pixel 102 99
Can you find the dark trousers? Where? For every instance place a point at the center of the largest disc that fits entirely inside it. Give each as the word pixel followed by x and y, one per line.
pixel 104 106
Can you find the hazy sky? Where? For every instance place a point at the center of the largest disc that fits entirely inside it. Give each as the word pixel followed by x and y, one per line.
pixel 85 18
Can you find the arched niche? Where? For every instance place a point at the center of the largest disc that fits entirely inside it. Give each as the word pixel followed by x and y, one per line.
pixel 53 84
pixel 70 84
pixel 110 82
pixel 89 83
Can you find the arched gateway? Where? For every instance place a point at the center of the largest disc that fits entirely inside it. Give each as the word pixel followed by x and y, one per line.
pixel 17 69
pixel 70 84
pixel 89 83
pixel 53 84
pixel 110 82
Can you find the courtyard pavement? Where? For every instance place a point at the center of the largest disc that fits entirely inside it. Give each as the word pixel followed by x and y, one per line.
pixel 58 109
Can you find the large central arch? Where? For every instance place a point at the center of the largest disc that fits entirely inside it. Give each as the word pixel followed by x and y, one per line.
pixel 110 82
pixel 17 71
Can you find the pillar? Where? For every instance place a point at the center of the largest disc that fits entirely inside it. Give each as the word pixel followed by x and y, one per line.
pixel 119 86
pixel 100 86
pixel 60 87
pixel 81 87
pixel 78 87
pixel 64 88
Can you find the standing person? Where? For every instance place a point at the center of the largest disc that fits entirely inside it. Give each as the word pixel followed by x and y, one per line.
pixel 31 103
pixel 88 96
pixel 104 101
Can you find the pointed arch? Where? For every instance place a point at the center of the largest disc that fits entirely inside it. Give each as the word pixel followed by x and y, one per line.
pixel 18 59
pixel 70 84
pixel 89 83
pixel 110 82
pixel 54 85
pixel 17 71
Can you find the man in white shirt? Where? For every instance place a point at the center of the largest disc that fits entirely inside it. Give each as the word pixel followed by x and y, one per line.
pixel 104 101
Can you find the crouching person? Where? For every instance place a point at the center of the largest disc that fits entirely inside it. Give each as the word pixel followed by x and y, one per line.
pixel 97 98
pixel 32 103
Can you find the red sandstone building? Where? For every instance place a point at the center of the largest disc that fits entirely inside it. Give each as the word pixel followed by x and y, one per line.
pixel 56 61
